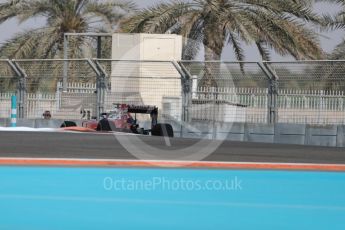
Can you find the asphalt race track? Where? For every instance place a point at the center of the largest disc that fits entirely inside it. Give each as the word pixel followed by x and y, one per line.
pixel 106 146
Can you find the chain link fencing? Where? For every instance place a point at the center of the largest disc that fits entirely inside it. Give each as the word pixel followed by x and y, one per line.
pixel 8 87
pixel 227 91
pixel 310 92
pixel 39 88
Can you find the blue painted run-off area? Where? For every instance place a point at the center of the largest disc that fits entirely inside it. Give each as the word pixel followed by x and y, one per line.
pixel 120 198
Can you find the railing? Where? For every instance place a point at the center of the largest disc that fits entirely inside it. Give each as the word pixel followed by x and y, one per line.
pixel 311 106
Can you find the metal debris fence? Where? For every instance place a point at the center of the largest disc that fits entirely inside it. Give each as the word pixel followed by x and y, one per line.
pixel 306 92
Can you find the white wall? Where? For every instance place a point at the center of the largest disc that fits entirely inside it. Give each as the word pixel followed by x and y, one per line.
pixel 146 69
pixel 147 47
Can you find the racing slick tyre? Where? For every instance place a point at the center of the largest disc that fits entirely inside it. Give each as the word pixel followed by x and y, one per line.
pixel 162 130
pixel 105 125
pixel 68 124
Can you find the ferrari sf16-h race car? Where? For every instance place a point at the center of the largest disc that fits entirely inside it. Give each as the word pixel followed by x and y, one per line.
pixel 121 119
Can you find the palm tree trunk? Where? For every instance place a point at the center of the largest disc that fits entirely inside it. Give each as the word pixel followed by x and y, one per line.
pixel 213 50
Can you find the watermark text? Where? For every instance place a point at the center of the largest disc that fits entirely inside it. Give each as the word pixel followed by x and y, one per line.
pixel 168 184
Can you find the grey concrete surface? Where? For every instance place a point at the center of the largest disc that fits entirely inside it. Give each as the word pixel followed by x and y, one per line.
pixel 107 146
pixel 321 135
pixel 289 134
pixel 259 133
pixel 341 136
pixel 231 131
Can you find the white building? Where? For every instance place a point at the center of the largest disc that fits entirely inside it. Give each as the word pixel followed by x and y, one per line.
pixel 143 72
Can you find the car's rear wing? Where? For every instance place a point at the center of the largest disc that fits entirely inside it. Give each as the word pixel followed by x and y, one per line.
pixel 147 109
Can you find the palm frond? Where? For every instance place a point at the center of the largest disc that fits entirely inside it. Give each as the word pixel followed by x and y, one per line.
pixel 62 16
pixel 269 24
pixel 156 19
pixel 236 44
pixel 263 50
pixel 339 52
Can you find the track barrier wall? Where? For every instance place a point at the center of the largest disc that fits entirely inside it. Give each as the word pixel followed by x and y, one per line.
pixel 330 135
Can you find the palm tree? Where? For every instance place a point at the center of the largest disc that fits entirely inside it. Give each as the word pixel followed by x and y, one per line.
pixel 275 24
pixel 62 16
pixel 337 22
pixel 331 72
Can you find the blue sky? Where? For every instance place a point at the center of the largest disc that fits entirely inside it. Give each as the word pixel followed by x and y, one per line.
pixel 328 40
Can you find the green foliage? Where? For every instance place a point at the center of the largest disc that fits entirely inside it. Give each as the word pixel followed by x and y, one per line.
pixel 62 16
pixel 337 22
pixel 269 24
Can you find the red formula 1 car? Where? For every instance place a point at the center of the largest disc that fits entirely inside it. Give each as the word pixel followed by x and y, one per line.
pixel 121 119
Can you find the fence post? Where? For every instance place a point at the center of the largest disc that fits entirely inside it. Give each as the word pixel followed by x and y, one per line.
pixel 13 111
pixel 273 94
pixel 320 105
pixel 65 63
pixel 272 115
pixel 186 92
pixel 21 88
pixel 214 92
pixel 186 87
pixel 101 89
pixel 101 86
pixel 58 96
